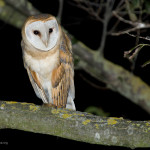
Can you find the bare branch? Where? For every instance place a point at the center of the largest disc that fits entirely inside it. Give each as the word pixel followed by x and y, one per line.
pixel 107 16
pixel 124 20
pixel 141 37
pixel 93 84
pixel 88 7
pixel 60 10
pixel 135 26
pixel 131 54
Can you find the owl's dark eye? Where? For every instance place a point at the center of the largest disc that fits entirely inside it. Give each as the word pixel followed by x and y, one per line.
pixel 50 30
pixel 36 32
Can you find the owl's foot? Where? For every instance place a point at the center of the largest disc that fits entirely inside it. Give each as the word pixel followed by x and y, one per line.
pixel 52 105
pixel 49 105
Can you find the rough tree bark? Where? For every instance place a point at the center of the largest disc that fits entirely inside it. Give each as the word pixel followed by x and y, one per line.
pixel 116 77
pixel 74 125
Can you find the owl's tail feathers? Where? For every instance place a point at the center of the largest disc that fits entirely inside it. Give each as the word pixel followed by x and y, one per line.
pixel 70 103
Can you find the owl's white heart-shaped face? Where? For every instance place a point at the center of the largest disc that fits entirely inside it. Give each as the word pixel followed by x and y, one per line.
pixel 42 35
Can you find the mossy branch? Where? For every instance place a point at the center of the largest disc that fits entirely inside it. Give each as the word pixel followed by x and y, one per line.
pixel 74 125
pixel 116 77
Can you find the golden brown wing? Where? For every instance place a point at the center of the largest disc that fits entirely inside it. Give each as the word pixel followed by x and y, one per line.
pixel 62 76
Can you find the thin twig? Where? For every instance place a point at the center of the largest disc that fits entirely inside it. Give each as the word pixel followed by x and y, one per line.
pixel 84 5
pixel 123 20
pixel 137 39
pixel 93 84
pixel 60 10
pixel 141 37
pixel 139 26
pixel 107 16
pixel 99 8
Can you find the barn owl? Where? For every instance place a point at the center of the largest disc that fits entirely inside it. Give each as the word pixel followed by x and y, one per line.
pixel 47 57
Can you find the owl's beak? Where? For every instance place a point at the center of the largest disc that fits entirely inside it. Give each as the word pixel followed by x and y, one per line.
pixel 45 39
pixel 45 43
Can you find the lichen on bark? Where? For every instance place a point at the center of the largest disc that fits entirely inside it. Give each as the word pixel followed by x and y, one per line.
pixel 74 125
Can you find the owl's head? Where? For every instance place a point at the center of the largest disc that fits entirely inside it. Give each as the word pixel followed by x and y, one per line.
pixel 42 31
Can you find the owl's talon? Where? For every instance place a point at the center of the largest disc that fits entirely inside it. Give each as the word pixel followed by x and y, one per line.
pixel 49 105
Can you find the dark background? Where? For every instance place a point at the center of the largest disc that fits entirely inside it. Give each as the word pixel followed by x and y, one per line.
pixel 15 85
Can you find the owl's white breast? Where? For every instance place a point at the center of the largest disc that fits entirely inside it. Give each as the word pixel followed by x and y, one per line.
pixel 42 66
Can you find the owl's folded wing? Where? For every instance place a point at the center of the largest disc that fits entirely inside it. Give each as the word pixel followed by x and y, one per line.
pixel 62 76
pixel 33 76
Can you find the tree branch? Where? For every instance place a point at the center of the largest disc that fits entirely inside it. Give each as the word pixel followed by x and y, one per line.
pixel 74 125
pixel 11 16
pixel 135 25
pixel 116 77
pixel 88 7
pixel 23 6
pixel 107 16
pixel 60 10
